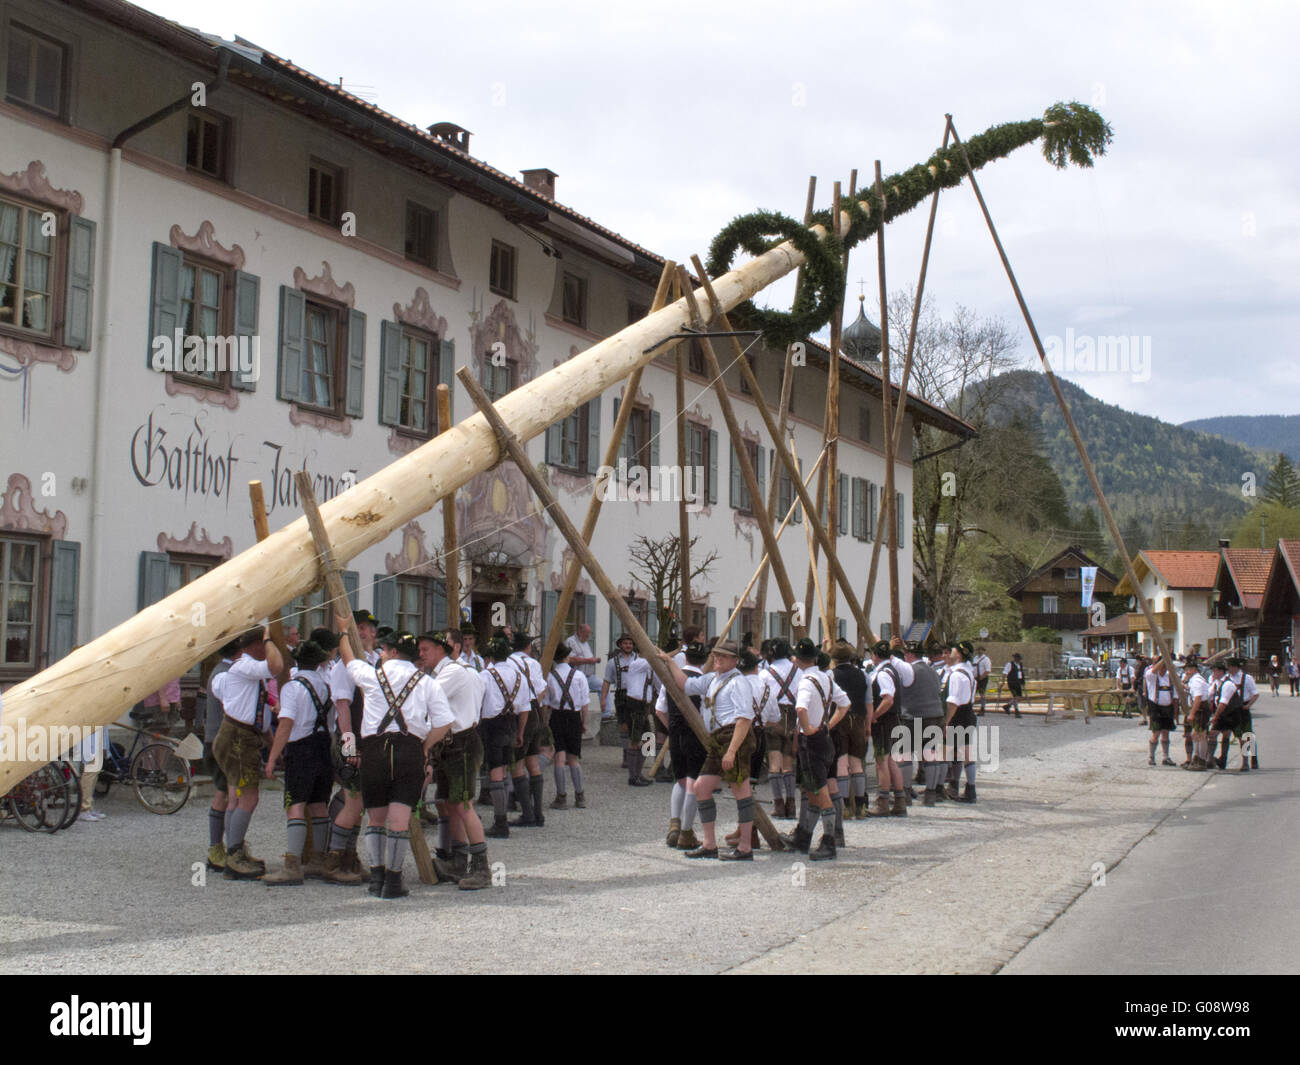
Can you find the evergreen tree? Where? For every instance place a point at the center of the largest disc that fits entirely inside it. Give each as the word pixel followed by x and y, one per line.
pixel 1283 483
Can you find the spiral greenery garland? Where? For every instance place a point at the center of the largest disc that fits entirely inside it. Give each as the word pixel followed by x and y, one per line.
pixel 1071 133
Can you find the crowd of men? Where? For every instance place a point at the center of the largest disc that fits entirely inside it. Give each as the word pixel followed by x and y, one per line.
pixel 363 737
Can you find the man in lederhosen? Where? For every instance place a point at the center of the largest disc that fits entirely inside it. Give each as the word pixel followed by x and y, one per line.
pixel 1161 709
pixel 1228 710
pixel 764 707
pixel 728 713
pixel 1241 724
pixel 820 705
pixel 959 722
pixel 923 714
pixel 217 811
pixel 405 714
pixel 782 734
pixel 1014 673
pixel 456 763
pixel 569 698
pixel 686 751
pixel 303 736
pixel 504 692
pixel 1126 679
pixel 469 655
pixel 526 769
pixel 886 704
pixel 240 741
pixel 342 865
pixel 1249 696
pixel 1197 718
pixel 629 676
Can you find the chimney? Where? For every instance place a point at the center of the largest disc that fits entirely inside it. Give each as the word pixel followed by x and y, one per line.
pixel 456 136
pixel 541 180
pixel 1223 544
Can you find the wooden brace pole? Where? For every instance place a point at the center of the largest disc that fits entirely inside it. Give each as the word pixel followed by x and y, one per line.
pixel 450 548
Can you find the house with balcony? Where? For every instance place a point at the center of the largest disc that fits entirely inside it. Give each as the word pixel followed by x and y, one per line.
pixel 1238 593
pixel 1179 585
pixel 1279 606
pixel 1052 595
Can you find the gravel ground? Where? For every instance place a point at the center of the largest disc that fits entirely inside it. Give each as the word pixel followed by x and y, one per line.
pixel 596 890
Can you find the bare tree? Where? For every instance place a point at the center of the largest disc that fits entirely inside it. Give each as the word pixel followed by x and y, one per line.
pixel 656 564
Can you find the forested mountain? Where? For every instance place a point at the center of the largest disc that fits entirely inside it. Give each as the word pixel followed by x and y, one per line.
pixel 1155 475
pixel 1267 432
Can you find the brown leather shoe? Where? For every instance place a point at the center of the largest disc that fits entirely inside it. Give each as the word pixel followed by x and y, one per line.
pixel 686 840
pixel 883 808
pixel 290 875
pixel 336 871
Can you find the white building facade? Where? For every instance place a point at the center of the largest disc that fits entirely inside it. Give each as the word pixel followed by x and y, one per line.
pixel 357 261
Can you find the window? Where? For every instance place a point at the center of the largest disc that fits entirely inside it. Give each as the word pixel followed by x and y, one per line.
pixel 864 424
pixel 203 301
pixel 409 616
pixel 421 235
pixel 745 623
pixel 701 453
pixel 573 440
pixel 207 144
pixel 417 374
pixel 695 358
pixel 26 269
pixel 786 495
pixel 1051 605
pixel 639 609
pixel 744 381
pixel 640 446
pixel 324 192
pixel 37 72
pixel 739 491
pixel 19 572
pixel 311 613
pixel 181 570
pixel 498 379
pixel 501 270
pixel 1071 574
pixel 320 374
pixel 574 308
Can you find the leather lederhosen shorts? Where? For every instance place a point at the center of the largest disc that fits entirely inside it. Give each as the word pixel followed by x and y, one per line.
pixel 392 769
pixel 858 735
pixel 456 772
pixel 308 771
pixel 636 715
pixel 498 735
pixel 684 746
pixel 533 729
pixel 781 735
pixel 882 734
pixel 815 763
pixel 238 751
pixel 566 728
pixel 739 772
pixel 1161 718
pixel 840 737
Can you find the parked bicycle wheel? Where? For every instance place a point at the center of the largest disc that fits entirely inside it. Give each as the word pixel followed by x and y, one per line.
pixel 1107 703
pixel 161 777
pixel 108 774
pixel 26 802
pixel 65 792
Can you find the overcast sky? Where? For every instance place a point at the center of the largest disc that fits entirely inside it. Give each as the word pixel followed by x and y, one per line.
pixel 665 121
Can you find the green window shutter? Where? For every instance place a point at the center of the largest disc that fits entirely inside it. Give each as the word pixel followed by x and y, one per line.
pixel 594 457
pixel 386 599
pixel 711 621
pixel 872 512
pixel 773 624
pixel 352 586
pixel 248 292
pixel 842 628
pixel 859 532
pixel 390 373
pixel 292 347
pixel 64 571
pixel 550 601
pixel 794 496
pixel 713 467
pixel 554 449
pixel 842 502
pixel 654 438
pixel 821 630
pixel 354 398
pixel 613 629
pixel 164 296
pixel 447 375
pixel 737 488
pixel 440 619
pixel 622 444
pixel 80 297
pixel 589 612
pixel 760 475
pixel 153 578
pixel 901 514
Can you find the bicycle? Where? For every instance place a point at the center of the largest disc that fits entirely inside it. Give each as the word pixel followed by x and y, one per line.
pixel 47 800
pixel 162 779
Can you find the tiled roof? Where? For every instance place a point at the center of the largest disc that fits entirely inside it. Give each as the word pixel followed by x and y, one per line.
pixel 1116 626
pixel 1291 552
pixel 1249 568
pixel 1184 569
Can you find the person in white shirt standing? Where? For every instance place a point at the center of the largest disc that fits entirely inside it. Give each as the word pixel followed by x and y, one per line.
pixel 887 685
pixel 983 667
pixel 686 751
pixel 631 679
pixel 959 699
pixel 1197 715
pixel 728 714
pixel 406 714
pixel 583 658
pixel 569 698
pixel 1161 710
pixel 782 731
pixel 456 765
pixel 820 705
pixel 239 743
pixel 526 770
pixel 505 697
pixel 303 736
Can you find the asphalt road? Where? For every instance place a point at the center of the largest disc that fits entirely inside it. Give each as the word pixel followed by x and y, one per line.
pixel 1210 889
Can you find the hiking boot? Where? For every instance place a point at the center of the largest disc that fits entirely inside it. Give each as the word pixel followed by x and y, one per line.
pixel 336 871
pixel 523 822
pixel 883 808
pixel 798 840
pixel 217 857
pixel 686 841
pixel 674 831
pixel 478 874
pixel 969 794
pixel 238 867
pixel 376 879
pixel 825 850
pixel 1167 761
pixel 447 871
pixel 314 867
pixel 579 801
pixel 929 799
pixel 291 873
pixel 248 857
pixel 950 791
pixel 703 852
pixel 392 886
pixel 900 806
pixel 560 802
pixel 735 855
pixel 500 829
pixel 638 782
pixel 861 809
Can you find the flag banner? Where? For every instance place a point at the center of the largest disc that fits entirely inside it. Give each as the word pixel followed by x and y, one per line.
pixel 1089 574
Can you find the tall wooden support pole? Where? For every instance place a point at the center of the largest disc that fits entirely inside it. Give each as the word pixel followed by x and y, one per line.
pixel 891 500
pixel 262 531
pixel 450 549
pixel 625 408
pixel 900 414
pixel 742 453
pixel 683 515
pixel 783 415
pixel 510 447
pixel 1157 634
